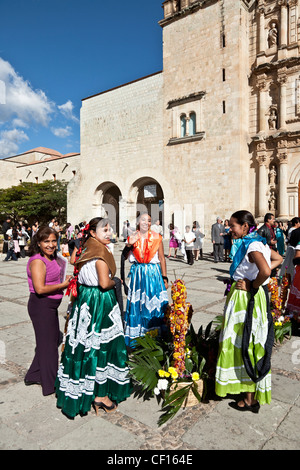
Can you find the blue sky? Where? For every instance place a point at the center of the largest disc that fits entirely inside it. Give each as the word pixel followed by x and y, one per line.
pixel 54 53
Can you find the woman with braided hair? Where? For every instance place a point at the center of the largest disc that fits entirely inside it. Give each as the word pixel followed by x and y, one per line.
pixel 247 335
pixel 93 368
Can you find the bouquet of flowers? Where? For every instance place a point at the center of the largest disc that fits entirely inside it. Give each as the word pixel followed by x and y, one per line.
pixel 171 366
pixel 278 288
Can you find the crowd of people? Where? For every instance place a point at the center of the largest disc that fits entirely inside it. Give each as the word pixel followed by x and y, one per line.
pixel 100 332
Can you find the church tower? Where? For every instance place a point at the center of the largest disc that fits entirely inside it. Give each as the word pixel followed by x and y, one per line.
pixel 231 103
pixel 206 103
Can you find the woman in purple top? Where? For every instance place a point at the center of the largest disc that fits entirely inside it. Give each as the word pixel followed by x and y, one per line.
pixel 46 292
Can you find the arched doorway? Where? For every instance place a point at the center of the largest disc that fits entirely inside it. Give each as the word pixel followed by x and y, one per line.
pixel 108 196
pixel 150 198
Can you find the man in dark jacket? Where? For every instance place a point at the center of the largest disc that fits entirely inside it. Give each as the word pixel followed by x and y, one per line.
pixel 6 226
pixel 267 231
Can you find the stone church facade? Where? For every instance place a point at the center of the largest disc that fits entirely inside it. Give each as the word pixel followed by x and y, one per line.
pixel 216 131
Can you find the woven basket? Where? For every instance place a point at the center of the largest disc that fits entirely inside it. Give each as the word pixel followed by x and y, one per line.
pixel 190 400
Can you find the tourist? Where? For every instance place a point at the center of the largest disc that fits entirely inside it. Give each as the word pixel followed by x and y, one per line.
pixel 147 296
pixel 22 238
pixel 293 301
pixel 279 234
pixel 5 226
pixel 292 241
pixel 174 240
pixel 227 240
pixel 267 230
pixel 93 368
pixel 34 228
pixel 189 239
pixel 57 228
pixel 247 334
pixel 46 292
pixel 11 254
pixel 198 244
pixel 217 232
pixel 156 227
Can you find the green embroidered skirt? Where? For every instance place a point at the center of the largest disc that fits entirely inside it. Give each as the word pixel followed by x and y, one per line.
pixel 231 375
pixel 94 360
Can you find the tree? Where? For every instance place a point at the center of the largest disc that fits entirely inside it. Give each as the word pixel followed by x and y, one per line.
pixel 33 201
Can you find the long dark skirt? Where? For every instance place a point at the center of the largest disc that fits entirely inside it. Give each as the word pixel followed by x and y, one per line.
pixel 44 316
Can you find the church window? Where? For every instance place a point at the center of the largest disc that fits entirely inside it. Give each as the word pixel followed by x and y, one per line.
pixel 182 125
pixel 224 107
pixel 192 124
pixel 185 119
pixel 223 75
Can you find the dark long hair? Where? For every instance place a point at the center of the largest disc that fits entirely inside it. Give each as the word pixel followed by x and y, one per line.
pixel 92 225
pixel 42 234
pixel 245 216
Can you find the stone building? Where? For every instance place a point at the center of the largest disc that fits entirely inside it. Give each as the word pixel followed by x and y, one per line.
pixel 38 165
pixel 216 131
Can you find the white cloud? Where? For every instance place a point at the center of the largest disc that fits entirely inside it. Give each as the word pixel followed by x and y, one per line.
pixel 23 107
pixel 21 100
pixel 62 131
pixel 67 110
pixel 10 140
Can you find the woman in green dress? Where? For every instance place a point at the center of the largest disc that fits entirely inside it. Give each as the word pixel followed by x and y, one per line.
pixel 93 368
pixel 247 335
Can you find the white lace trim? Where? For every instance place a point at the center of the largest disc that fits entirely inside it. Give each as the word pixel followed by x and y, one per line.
pixel 93 339
pixel 85 386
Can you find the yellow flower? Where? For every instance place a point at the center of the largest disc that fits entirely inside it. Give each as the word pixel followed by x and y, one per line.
pixel 195 376
pixel 161 373
pixel 174 375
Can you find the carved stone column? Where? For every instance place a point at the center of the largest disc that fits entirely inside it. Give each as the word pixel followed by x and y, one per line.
pixel 283 23
pixel 262 184
pixel 261 85
pixel 261 22
pixel 283 182
pixel 282 79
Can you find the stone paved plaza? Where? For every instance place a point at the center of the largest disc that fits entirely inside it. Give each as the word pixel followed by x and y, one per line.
pixel 30 421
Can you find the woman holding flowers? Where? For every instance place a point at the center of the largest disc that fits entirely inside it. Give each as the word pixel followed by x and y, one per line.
pixel 147 295
pixel 247 334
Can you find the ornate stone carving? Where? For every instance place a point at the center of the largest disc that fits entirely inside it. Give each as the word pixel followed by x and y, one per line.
pixel 273 35
pixel 273 118
pixel 272 201
pixel 282 158
pixel 262 160
pixel 273 176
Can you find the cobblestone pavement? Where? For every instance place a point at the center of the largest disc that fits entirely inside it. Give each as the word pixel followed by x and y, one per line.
pixel 30 421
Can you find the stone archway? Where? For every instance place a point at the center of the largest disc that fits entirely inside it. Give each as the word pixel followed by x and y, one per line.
pixel 148 196
pixel 106 203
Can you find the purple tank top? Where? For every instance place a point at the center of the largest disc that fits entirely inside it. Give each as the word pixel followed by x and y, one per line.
pixel 52 275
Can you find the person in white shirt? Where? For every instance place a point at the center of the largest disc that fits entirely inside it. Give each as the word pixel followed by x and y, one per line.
pixel 156 227
pixel 189 239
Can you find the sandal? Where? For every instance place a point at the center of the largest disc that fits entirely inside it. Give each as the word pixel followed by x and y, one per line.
pixel 254 408
pixel 106 408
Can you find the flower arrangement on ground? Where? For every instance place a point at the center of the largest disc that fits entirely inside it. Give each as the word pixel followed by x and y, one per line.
pixel 278 288
pixel 171 366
